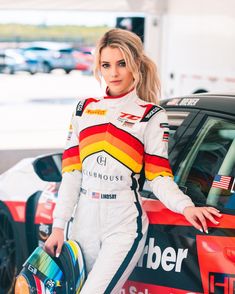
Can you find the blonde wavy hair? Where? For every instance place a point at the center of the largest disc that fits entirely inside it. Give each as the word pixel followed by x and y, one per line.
pixel 144 70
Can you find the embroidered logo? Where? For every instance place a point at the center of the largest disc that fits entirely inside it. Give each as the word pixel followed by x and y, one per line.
pixel 129 116
pixel 127 119
pixel 96 111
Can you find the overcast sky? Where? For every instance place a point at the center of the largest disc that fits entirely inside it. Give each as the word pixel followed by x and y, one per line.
pixel 61 17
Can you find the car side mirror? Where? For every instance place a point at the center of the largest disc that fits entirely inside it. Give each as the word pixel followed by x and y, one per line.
pixel 48 167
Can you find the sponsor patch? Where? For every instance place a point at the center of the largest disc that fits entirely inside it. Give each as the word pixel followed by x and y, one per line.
pixel 96 111
pixel 129 117
pixel 165 137
pixel 128 124
pixel 70 132
pixel 101 160
pixel 164 125
pixel 79 108
pixel 154 109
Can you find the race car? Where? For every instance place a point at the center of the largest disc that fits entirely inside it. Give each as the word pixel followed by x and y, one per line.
pixel 177 258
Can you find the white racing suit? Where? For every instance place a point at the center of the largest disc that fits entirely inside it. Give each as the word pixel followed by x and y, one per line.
pixel 110 141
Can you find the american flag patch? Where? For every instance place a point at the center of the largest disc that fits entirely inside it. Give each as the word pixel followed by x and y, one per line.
pixel 222 182
pixel 95 195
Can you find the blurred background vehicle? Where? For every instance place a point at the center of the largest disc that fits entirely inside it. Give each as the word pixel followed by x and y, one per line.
pixel 15 60
pixel 84 59
pixel 52 55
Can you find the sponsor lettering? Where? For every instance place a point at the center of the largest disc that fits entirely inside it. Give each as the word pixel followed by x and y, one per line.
pixel 168 259
pixel 221 283
pixel 104 177
pixel 174 101
pixel 134 290
pixel 129 116
pixel 151 113
pixel 44 231
pixel 108 196
pixel 96 111
pixel 189 102
pixel 50 284
pixel 80 105
pixel 32 269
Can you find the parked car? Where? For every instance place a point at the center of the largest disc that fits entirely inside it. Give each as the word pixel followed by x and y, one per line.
pixel 84 60
pixel 14 60
pixel 177 258
pixel 52 55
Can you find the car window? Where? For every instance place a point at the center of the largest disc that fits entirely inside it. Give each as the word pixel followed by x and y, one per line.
pixel 175 120
pixel 37 49
pixel 67 50
pixel 207 173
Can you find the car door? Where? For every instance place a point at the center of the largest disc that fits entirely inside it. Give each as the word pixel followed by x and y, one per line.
pixel 178 258
pixel 207 175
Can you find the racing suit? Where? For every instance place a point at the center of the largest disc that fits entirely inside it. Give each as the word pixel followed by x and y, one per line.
pixel 110 141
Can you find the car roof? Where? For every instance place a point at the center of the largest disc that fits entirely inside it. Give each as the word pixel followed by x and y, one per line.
pixel 49 45
pixel 222 103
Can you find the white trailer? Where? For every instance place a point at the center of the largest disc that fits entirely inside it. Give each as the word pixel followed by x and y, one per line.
pixel 193 42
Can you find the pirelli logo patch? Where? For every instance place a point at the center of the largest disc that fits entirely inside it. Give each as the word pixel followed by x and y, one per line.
pixel 96 111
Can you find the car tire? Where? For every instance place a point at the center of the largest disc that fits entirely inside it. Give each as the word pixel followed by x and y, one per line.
pixel 10 253
pixel 68 71
pixel 46 67
pixel 32 229
pixel 9 70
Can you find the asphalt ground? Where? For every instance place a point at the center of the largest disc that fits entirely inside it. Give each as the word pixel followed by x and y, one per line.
pixel 35 112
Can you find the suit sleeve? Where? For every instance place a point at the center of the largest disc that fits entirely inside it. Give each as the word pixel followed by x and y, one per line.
pixel 71 178
pixel 157 167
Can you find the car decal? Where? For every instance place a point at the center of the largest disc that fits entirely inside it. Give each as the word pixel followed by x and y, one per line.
pixel 44 212
pixel 216 256
pixel 159 214
pixel 169 260
pixel 185 259
pixel 17 210
pixel 132 287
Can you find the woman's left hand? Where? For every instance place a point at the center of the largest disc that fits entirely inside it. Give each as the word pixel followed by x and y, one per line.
pixel 197 216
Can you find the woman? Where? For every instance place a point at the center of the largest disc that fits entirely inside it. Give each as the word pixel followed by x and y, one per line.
pixel 112 139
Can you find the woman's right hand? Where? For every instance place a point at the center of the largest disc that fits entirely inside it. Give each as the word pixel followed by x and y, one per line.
pixel 54 243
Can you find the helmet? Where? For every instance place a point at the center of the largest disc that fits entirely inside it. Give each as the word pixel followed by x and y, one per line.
pixel 42 273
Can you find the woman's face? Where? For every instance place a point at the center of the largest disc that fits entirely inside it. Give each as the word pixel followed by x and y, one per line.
pixel 114 71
